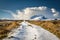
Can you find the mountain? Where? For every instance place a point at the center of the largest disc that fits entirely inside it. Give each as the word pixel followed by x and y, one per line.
pixel 40 18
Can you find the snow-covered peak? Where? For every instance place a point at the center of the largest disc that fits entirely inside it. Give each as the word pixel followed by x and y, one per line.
pixel 40 18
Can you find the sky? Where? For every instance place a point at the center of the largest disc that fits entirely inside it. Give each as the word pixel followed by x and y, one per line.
pixel 9 8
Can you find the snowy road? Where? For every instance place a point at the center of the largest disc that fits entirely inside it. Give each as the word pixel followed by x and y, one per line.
pixel 29 31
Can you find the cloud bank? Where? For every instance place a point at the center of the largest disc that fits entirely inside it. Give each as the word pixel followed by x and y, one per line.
pixel 28 13
pixel 55 13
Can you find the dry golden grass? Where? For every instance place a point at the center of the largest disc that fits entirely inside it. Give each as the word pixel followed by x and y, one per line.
pixel 52 26
pixel 6 27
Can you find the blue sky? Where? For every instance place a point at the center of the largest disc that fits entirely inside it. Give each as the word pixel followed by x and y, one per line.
pixel 20 4
pixel 14 5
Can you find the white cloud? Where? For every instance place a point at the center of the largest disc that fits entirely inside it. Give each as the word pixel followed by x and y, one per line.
pixel 8 11
pixel 27 13
pixel 4 18
pixel 55 13
pixel 53 10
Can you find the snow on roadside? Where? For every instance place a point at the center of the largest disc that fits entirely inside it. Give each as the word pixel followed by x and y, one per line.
pixel 29 31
